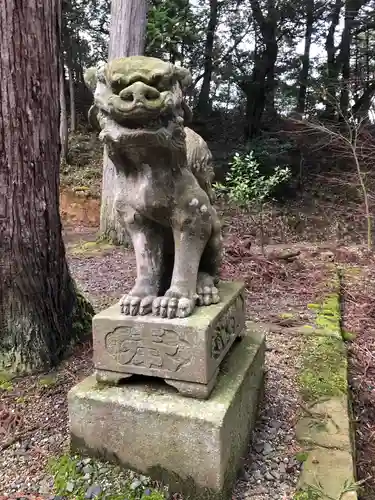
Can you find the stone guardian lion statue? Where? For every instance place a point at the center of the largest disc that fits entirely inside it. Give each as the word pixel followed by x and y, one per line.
pixel 163 193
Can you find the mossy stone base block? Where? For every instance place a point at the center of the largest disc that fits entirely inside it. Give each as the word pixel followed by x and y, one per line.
pixel 194 446
pixel 186 352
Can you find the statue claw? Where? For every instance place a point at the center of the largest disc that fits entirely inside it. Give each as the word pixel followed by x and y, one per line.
pixel 134 305
pixel 173 307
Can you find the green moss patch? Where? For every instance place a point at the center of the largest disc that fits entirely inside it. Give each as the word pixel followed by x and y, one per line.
pixel 78 479
pixel 324 360
pixel 324 368
pixel 48 380
pixel 91 247
pixel 328 315
pixel 6 381
pixel 82 316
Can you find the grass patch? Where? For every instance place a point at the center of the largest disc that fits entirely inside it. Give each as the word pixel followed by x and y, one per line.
pixel 6 382
pixel 308 494
pixel 301 456
pixel 79 479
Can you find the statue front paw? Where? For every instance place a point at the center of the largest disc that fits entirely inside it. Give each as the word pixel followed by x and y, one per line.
pixel 207 292
pixel 133 305
pixel 174 305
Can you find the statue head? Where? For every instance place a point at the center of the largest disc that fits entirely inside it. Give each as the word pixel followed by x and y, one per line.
pixel 139 93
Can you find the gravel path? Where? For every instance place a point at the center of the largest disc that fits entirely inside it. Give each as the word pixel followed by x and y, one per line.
pixel 270 469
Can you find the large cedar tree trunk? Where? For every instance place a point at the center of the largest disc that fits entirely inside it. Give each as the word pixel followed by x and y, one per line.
pixel 127 38
pixel 39 308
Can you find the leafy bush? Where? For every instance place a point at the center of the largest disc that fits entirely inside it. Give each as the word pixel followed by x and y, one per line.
pixel 270 151
pixel 246 185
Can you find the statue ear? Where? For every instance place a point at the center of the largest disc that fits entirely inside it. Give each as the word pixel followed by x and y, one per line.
pixel 184 77
pixel 94 74
pixel 93 118
pixel 90 78
pixel 188 114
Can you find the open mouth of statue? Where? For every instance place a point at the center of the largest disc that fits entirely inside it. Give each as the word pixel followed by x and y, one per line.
pixel 146 123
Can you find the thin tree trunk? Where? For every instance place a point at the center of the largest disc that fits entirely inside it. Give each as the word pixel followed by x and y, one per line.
pixel 72 101
pixel 127 37
pixel 64 135
pixel 260 90
pixel 362 105
pixel 39 307
pixel 304 73
pixel 204 103
pixel 351 10
pixel 332 70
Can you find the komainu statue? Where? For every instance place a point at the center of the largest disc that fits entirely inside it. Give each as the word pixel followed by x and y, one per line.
pixel 163 192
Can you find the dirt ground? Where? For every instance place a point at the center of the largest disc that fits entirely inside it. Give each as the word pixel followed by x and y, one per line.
pixel 33 412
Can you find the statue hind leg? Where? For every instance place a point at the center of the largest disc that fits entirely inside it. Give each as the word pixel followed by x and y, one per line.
pixel 209 267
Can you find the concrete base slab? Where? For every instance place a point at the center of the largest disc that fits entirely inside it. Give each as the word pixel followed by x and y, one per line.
pixel 329 471
pixel 194 446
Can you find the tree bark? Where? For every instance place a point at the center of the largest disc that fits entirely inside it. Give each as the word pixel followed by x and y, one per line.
pixel 204 105
pixel 64 134
pixel 39 307
pixel 332 70
pixel 72 101
pixel 127 38
pixel 343 59
pixel 362 105
pixel 260 88
pixel 304 73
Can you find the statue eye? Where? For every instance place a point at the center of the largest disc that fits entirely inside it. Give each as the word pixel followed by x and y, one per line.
pixel 117 86
pixel 163 84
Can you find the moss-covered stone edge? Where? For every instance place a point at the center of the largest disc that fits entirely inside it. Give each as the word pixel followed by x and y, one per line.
pixel 323 360
pixel 323 370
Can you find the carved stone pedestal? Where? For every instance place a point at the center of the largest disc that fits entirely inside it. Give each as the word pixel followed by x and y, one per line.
pixel 193 446
pixel 186 353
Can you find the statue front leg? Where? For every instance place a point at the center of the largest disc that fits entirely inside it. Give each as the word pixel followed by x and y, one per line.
pixel 147 239
pixel 191 231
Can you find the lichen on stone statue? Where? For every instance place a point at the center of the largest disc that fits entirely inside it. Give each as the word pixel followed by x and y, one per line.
pixel 163 193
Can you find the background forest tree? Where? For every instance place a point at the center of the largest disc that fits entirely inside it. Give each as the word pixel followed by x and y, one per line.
pixel 259 67
pixel 261 57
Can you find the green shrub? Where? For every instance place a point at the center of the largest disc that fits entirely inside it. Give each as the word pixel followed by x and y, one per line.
pixel 246 185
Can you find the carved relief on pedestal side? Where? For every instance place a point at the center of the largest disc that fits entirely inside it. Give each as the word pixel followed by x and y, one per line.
pixel 160 348
pixel 229 327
